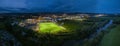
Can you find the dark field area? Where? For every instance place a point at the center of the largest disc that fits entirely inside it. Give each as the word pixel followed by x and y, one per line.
pixel 60 31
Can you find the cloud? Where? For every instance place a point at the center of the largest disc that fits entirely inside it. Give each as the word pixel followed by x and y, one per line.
pixel 108 6
pixel 97 6
pixel 40 3
pixel 13 3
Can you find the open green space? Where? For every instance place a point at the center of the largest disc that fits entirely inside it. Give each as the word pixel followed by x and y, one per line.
pixel 55 34
pixel 72 25
pixel 50 27
pixel 112 38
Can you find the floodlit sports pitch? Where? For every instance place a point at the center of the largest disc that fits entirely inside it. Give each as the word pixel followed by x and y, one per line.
pixel 50 27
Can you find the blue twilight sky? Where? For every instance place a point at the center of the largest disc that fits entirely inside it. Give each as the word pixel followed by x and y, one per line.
pixel 89 6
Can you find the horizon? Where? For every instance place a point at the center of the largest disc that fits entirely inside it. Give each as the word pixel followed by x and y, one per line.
pixel 65 6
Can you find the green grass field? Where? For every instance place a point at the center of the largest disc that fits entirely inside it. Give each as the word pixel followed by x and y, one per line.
pixel 112 38
pixel 50 27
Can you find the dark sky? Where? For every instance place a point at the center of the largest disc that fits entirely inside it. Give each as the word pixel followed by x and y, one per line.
pixel 92 6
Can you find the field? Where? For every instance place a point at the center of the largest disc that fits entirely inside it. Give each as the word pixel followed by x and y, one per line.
pixel 112 38
pixel 56 34
pixel 50 27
